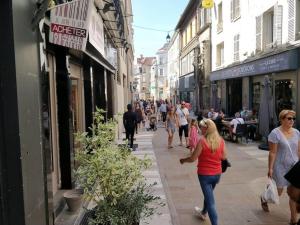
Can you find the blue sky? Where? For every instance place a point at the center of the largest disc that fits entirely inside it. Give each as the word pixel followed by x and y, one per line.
pixel 157 14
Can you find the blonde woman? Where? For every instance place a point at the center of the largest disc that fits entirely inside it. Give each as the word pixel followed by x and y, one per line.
pixel 284 144
pixel 210 151
pixel 171 124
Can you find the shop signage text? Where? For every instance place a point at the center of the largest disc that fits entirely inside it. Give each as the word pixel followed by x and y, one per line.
pixel 69 24
pixel 281 62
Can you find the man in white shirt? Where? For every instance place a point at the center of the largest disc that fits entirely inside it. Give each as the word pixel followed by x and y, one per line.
pixel 183 114
pixel 234 122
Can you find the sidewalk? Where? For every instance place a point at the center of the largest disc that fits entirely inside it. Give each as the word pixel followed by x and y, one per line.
pixel 145 147
pixel 237 195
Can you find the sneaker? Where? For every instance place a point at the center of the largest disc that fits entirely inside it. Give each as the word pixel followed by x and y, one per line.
pixel 200 214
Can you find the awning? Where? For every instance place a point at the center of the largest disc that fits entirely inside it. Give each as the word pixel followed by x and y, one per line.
pixel 284 61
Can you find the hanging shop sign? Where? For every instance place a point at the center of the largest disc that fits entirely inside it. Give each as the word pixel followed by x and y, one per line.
pixel 70 23
pixel 207 4
pixel 96 32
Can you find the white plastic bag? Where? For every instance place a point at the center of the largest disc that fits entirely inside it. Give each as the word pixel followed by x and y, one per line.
pixel 270 194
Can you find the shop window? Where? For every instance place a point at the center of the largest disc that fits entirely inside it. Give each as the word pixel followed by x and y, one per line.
pixel 255 96
pixel 285 95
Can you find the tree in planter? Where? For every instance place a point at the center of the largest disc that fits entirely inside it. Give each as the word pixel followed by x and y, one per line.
pixel 112 177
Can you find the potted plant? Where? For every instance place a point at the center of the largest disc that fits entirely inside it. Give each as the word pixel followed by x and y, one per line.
pixel 111 177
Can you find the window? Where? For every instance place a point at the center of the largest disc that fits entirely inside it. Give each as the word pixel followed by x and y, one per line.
pixel 268 24
pixel 255 96
pixel 204 17
pixel 184 65
pixel 220 18
pixel 235 10
pixel 190 61
pixel 298 20
pixel 220 54
pixel 236 50
pixel 183 38
pixel 188 32
pixel 161 72
pixel 140 70
pixel 194 27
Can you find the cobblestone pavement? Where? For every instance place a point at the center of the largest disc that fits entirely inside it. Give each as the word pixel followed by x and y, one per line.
pixel 237 194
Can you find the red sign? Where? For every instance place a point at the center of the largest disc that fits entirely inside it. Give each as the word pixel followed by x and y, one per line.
pixel 62 29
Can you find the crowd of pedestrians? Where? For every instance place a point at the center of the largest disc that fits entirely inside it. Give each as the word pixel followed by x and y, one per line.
pixel 208 147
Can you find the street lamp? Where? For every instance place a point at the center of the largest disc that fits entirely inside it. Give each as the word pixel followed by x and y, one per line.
pixel 168 38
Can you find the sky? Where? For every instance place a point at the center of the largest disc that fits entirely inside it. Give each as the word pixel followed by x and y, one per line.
pixel 157 14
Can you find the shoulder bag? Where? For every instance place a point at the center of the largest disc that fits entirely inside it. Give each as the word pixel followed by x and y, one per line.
pixel 293 175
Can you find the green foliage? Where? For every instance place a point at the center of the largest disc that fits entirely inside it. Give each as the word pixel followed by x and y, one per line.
pixel 111 176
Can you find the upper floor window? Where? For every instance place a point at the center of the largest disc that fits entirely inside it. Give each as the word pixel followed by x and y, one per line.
pixel 269 28
pixel 236 51
pixel 161 72
pixel 235 11
pixel 140 70
pixel 220 18
pixel 220 54
pixel 204 17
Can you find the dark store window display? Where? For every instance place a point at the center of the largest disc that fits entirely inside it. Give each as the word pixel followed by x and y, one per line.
pixel 285 93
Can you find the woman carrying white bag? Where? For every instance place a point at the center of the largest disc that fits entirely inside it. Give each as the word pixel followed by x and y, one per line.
pixel 284 145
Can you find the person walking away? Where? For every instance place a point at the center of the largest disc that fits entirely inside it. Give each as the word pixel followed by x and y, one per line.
pixel 193 135
pixel 163 110
pixel 210 151
pixel 171 124
pixel 129 122
pixel 284 145
pixel 139 115
pixel 182 114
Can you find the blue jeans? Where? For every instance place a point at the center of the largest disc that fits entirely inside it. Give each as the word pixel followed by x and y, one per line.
pixel 208 184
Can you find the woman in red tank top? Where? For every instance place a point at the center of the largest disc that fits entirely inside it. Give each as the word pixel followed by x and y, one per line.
pixel 210 151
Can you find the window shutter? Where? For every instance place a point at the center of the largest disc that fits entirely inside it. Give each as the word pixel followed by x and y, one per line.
pixel 277 29
pixel 291 20
pixel 258 32
pixel 236 49
pixel 231 10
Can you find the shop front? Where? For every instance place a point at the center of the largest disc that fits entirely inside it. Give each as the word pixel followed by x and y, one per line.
pixel 186 88
pixel 243 83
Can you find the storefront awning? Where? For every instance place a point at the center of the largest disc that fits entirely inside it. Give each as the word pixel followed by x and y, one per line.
pixel 283 61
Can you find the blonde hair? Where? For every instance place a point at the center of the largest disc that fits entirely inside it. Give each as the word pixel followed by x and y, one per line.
pixel 212 135
pixel 285 112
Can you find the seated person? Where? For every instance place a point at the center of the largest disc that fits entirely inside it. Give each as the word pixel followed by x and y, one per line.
pixel 219 119
pixel 234 122
pixel 210 113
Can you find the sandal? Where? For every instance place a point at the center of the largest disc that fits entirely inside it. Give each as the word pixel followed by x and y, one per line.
pixel 264 205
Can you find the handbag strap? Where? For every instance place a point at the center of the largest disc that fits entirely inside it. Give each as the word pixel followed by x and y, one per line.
pixel 284 137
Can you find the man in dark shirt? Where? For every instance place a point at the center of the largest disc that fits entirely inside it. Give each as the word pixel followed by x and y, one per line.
pixel 129 121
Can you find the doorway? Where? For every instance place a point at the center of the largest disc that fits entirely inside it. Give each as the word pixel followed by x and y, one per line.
pixel 234 96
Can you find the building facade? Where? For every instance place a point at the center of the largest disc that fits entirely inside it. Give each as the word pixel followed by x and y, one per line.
pixel 143 76
pixel 162 77
pixel 67 75
pixel 265 41
pixel 173 67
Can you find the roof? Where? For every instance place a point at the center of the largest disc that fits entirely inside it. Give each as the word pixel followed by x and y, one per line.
pixel 163 49
pixel 147 61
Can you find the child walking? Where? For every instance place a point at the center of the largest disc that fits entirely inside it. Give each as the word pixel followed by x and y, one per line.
pixel 193 135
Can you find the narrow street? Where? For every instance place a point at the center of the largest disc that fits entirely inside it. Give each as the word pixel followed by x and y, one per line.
pixel 237 195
